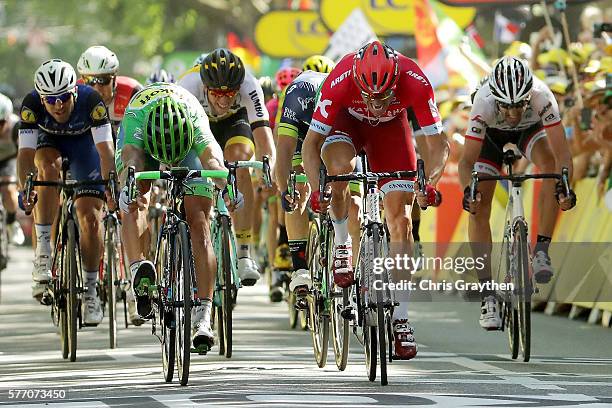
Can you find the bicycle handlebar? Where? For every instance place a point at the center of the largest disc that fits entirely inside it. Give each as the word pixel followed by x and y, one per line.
pixel 563 177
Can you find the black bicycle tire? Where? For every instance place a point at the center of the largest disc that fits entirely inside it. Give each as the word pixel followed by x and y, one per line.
pixel 168 343
pixel 71 300
pixel 109 275
pixel 340 335
pixel 510 320
pixel 380 310
pixel 318 318
pixel 184 325
pixel 524 306
pixel 227 294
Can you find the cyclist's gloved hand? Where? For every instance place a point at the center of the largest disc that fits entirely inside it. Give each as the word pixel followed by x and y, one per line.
pixel 565 203
pixel 288 206
pixel 469 205
pixel 20 200
pixel 27 205
pixel 124 200
pixel 434 197
pixel 315 202
pixel 238 200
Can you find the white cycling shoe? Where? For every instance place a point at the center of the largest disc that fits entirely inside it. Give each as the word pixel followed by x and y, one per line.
pixel 41 275
pixel 202 337
pixel 300 278
pixel 542 269
pixel 248 271
pixel 16 233
pixel 490 314
pixel 92 310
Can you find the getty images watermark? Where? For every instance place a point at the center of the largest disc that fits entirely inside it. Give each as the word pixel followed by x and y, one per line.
pixel 404 265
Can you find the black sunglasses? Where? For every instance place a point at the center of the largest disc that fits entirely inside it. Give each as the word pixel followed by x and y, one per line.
pixel 518 105
pixel 98 80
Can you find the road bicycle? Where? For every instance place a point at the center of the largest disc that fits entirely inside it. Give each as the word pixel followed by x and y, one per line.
pixel 4 235
pixel 65 290
pixel 372 322
pixel 227 281
pixel 515 255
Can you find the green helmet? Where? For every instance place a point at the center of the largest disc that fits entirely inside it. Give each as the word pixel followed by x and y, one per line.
pixel 169 131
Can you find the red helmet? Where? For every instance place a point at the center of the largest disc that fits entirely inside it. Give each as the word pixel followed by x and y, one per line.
pixel 285 76
pixel 375 68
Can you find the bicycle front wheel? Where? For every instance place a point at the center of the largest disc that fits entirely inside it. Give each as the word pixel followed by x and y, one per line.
pixel 228 286
pixel 166 313
pixel 110 272
pixel 70 271
pixel 525 288
pixel 183 279
pixel 381 306
pixel 318 316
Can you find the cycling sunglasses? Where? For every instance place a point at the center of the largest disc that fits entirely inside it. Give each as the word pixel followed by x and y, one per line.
pixel 98 80
pixel 63 98
pixel 519 105
pixel 378 97
pixel 218 93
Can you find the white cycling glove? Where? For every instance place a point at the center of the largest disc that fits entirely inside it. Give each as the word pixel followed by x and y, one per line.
pixel 124 200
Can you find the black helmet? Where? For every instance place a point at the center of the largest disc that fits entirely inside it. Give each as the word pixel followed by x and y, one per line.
pixel 222 69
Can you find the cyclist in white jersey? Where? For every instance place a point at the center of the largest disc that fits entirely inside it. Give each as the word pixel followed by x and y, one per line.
pixel 513 106
pixel 234 103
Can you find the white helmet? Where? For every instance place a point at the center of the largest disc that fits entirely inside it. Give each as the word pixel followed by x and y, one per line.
pixel 511 80
pixel 98 60
pixel 54 77
pixel 6 107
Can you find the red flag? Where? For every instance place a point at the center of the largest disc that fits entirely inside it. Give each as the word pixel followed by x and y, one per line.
pixel 474 35
pixel 429 50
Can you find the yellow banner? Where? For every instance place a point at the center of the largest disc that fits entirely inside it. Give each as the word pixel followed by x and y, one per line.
pixel 387 17
pixel 292 34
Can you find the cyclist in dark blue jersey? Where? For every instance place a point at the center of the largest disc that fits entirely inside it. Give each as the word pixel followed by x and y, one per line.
pixel 62 119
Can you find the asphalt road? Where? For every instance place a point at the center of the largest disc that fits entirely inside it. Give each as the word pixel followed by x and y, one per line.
pixel 458 364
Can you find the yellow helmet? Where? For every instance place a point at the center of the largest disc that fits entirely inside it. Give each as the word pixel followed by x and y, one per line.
pixel 318 63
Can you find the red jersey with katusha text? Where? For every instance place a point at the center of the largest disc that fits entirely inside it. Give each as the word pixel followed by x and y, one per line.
pixel 126 87
pixel 339 92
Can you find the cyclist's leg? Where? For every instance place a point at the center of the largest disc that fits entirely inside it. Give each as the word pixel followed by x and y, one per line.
pixel 479 229
pixel 9 200
pixel 48 165
pixel 198 204
pixel 85 165
pixel 536 148
pixel 240 147
pixel 398 200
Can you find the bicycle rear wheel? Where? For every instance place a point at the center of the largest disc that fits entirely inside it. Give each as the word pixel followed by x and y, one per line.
pixel 110 272
pixel 525 289
pixel 166 314
pixel 183 273
pixel 70 274
pixel 228 286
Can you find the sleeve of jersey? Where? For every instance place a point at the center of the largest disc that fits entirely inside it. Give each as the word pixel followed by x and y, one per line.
pixel 289 122
pixel 253 98
pixel 203 134
pixel 477 126
pixel 31 110
pixel 547 108
pixel 131 127
pixel 328 103
pixel 425 109
pixel 98 111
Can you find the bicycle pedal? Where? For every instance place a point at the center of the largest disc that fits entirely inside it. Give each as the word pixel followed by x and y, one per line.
pixel 347 313
pixel 301 303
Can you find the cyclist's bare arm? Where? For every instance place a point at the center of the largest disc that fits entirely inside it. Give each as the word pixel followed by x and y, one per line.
pixel 264 144
pixel 25 165
pixel 107 157
pixel 131 156
pixel 311 154
pixel 438 150
pixel 471 151
pixel 560 147
pixel 284 153
pixel 212 159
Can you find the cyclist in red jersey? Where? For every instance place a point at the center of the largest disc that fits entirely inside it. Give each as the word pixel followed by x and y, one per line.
pixel 98 68
pixel 362 106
